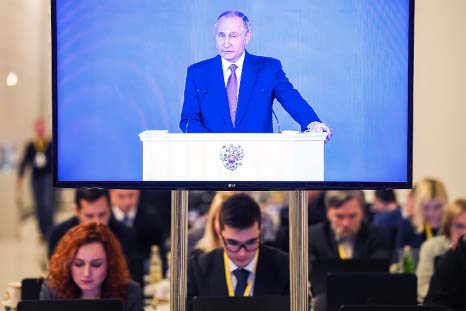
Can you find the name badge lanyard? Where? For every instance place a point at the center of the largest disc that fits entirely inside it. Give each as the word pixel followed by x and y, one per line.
pixel 341 251
pixel 428 229
pixel 231 291
pixel 40 160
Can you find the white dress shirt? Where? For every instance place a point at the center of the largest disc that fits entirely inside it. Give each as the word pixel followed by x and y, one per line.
pixel 249 267
pixel 119 215
pixel 227 72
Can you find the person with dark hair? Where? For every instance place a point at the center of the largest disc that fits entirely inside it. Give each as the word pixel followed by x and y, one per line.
pixel 385 195
pixel 89 264
pixel 387 214
pixel 316 214
pixel 448 284
pixel 345 235
pixel 93 205
pixel 146 224
pixel 38 156
pixel 159 203
pixel 387 211
pixel 243 266
pixel 235 90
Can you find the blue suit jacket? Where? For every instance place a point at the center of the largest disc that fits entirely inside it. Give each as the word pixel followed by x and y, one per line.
pixel 205 107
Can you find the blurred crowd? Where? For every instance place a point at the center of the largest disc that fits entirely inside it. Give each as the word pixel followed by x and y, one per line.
pixel 342 225
pixel 424 236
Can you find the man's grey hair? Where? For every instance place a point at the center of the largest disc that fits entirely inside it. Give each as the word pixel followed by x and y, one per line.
pixel 246 23
pixel 336 198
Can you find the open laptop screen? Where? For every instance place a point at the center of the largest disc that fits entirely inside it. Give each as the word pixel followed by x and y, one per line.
pixel 320 268
pixel 71 305
pixel 370 289
pixel 254 303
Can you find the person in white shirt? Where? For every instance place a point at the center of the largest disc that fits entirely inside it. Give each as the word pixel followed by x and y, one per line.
pixel 124 205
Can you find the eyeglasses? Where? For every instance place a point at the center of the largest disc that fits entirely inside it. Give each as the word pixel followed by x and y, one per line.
pixel 234 246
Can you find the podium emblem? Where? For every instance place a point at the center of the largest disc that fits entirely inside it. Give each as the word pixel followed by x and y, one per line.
pixel 231 156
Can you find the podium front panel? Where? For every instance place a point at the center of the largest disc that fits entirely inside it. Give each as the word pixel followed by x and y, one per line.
pixel 293 157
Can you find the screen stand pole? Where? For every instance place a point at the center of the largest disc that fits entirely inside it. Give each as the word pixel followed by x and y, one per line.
pixel 179 250
pixel 299 295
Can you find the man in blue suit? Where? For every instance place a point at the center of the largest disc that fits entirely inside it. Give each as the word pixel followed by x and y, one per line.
pixel 234 91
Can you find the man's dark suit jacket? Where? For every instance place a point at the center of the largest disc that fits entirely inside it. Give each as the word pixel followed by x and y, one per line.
pixel 371 242
pixel 158 202
pixel 149 231
pixel 205 107
pixel 206 274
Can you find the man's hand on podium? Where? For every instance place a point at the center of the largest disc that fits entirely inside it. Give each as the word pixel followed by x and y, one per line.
pixel 320 127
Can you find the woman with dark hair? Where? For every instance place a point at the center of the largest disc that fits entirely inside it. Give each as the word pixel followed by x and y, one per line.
pixel 88 263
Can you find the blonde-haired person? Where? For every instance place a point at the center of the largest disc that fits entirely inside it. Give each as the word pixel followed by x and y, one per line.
pixel 453 227
pixel 428 199
pixel 210 240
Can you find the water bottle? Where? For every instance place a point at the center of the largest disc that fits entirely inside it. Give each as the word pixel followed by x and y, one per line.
pixel 407 260
pixel 155 268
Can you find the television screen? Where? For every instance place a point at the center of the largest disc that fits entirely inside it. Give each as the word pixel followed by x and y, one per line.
pixel 139 98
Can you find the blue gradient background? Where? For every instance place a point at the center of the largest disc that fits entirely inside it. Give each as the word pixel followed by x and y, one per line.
pixel 121 69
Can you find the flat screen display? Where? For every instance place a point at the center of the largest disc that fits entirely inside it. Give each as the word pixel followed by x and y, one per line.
pixel 121 86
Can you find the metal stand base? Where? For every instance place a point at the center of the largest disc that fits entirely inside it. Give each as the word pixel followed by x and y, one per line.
pixel 299 284
pixel 179 250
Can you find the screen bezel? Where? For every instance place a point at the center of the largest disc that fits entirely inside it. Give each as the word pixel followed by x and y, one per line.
pixel 236 185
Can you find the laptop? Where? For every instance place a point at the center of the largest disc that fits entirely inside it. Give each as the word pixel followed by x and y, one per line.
pixel 370 289
pixel 320 268
pixel 393 308
pixel 254 303
pixel 30 288
pixel 71 305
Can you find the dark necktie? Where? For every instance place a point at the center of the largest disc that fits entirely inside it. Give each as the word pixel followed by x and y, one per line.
pixel 127 220
pixel 242 281
pixel 232 92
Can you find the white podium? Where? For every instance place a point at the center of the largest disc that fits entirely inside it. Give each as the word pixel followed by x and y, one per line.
pixel 293 157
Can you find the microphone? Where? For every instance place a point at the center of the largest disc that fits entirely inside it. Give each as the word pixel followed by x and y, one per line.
pixel 186 127
pixel 279 129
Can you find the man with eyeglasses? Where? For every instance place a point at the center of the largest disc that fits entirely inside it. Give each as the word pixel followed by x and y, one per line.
pixel 243 266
